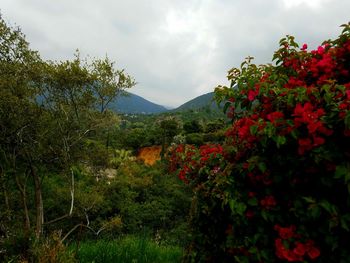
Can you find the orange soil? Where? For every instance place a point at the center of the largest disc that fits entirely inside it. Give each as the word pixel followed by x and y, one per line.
pixel 149 155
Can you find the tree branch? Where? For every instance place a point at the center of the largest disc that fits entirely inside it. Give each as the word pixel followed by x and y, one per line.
pixel 71 203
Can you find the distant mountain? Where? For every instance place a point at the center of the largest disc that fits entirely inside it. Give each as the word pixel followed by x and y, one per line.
pixel 203 101
pixel 131 103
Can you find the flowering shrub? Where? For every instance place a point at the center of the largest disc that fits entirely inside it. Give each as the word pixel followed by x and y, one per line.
pixel 191 162
pixel 278 190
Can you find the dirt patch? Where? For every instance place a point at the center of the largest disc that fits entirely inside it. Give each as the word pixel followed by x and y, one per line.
pixel 149 155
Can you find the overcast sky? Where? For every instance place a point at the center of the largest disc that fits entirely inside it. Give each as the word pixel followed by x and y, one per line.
pixel 175 49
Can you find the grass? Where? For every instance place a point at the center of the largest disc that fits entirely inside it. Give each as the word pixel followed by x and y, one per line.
pixel 128 249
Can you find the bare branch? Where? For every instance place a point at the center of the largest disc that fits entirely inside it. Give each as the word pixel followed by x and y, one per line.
pixel 72 194
pixel 71 204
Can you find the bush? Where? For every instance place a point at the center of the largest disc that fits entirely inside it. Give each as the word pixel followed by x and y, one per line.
pixel 279 191
pixel 194 138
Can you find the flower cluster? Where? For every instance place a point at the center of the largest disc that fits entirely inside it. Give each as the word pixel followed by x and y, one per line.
pixel 290 248
pixel 188 160
pixel 285 161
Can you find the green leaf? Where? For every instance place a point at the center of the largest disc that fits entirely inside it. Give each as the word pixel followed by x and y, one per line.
pixel 253 250
pixel 344 224
pixel 253 129
pixel 237 207
pixel 262 166
pixel 340 171
pixel 309 199
pixel 314 211
pixel 264 215
pixel 232 204
pixel 328 207
pixel 241 207
pixel 226 106
pixel 280 140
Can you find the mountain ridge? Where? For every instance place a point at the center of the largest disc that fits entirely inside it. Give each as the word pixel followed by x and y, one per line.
pixel 202 101
pixel 130 103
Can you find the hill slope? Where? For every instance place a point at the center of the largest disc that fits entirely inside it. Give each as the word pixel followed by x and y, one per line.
pixel 132 103
pixel 203 101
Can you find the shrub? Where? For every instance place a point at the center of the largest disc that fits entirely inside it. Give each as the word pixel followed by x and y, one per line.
pixel 194 138
pixel 279 190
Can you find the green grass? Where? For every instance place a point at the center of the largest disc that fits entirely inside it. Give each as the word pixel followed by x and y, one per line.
pixel 128 249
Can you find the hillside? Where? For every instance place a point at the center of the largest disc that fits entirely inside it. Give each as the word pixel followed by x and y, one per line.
pixel 131 103
pixel 203 101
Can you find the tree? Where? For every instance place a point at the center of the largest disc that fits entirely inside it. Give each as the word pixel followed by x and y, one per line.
pixel 18 68
pixel 47 111
pixel 108 83
pixel 168 129
pixel 193 126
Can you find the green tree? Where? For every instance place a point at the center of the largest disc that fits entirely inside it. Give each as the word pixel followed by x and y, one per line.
pixel 168 129
pixel 47 111
pixel 193 126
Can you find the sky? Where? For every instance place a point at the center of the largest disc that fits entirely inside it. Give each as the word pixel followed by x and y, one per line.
pixel 175 49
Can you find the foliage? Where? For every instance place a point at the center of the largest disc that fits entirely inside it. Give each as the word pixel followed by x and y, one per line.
pixel 126 249
pixel 51 250
pixel 194 138
pixel 120 157
pixel 204 102
pixel 192 126
pixel 49 122
pixel 146 198
pixel 279 191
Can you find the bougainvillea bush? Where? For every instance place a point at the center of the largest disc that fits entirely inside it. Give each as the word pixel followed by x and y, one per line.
pixel 278 189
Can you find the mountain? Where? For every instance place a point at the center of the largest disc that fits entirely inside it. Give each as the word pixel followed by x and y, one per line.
pixel 200 102
pixel 131 103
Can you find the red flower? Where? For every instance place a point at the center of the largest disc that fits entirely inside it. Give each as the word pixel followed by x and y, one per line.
pixel 251 95
pixel 268 202
pixel 300 249
pixel 318 141
pixel 314 253
pixel 320 50
pixel 305 144
pixel 283 253
pixel 251 194
pixel 275 116
pixel 249 214
pixel 285 232
pixel 304 47
pixel 291 257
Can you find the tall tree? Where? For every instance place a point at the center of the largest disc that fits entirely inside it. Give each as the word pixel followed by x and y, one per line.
pixel 47 110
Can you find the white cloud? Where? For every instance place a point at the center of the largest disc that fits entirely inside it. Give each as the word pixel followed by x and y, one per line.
pixel 310 3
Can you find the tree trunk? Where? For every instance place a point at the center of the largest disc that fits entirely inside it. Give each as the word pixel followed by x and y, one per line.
pixel 38 203
pixel 22 190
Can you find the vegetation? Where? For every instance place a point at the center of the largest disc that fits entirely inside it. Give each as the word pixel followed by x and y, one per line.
pixel 128 249
pixel 268 182
pixel 277 189
pixel 129 103
pixel 205 102
pixel 69 172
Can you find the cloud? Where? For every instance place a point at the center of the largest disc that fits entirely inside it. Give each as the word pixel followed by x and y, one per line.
pixel 176 50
